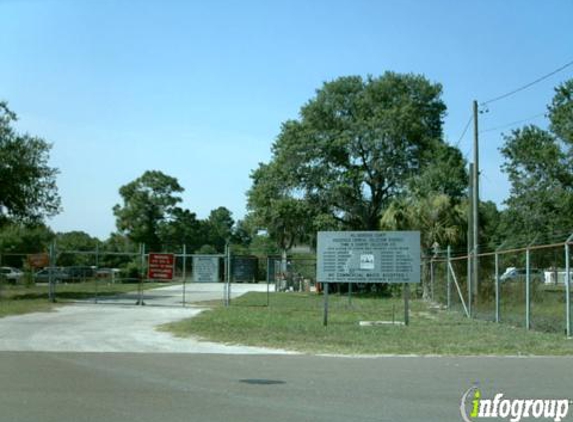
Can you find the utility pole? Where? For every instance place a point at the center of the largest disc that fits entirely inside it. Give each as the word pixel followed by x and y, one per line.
pixel 470 237
pixel 475 186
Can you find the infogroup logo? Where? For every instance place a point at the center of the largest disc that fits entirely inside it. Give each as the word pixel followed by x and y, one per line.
pixel 474 407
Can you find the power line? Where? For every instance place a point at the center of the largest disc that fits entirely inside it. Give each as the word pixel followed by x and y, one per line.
pixel 465 130
pixel 515 91
pixel 517 122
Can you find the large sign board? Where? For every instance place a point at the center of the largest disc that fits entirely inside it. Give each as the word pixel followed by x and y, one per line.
pixel 244 269
pixel 368 257
pixel 205 268
pixel 160 266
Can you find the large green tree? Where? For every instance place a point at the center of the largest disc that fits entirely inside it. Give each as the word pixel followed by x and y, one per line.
pixel 286 219
pixel 28 191
pixel 18 240
pixel 183 228
pixel 219 227
pixel 149 202
pixel 358 144
pixel 539 165
pixel 76 241
pixel 118 244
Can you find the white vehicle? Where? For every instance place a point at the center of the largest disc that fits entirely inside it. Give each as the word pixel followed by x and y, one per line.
pixel 12 275
pixel 519 274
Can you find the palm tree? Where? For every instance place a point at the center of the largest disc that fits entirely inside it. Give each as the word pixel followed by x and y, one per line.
pixel 439 219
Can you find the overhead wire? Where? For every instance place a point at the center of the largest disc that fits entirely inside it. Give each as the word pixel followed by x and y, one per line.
pixel 517 122
pixel 465 130
pixel 528 85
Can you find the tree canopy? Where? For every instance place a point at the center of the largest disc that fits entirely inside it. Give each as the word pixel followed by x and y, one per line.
pixel 150 214
pixel 539 166
pixel 358 144
pixel 219 227
pixel 28 191
pixel 148 202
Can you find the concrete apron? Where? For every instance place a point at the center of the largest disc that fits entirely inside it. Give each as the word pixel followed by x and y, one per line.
pixel 112 327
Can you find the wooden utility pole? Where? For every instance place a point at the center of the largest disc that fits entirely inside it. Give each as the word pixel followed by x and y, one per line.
pixel 475 219
pixel 470 237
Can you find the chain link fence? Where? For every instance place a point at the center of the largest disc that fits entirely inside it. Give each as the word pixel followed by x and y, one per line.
pixel 524 287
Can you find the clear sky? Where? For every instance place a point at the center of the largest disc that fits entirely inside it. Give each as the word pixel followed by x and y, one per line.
pixel 198 89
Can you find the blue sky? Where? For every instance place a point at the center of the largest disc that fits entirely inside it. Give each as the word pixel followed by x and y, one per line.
pixel 199 89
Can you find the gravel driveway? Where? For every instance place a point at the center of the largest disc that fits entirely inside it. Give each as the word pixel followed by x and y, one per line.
pixel 115 327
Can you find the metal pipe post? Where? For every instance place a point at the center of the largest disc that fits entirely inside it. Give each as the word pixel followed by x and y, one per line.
pixel 142 247
pixel 527 291
pixel 449 279
pixel 184 270
pixel 432 278
pixel 96 267
pixel 325 315
pixel 52 258
pixel 268 280
pixel 406 304
pixel 497 307
pixel 568 286
pixel 228 281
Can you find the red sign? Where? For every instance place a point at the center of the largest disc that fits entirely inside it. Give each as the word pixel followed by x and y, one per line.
pixel 160 266
pixel 39 260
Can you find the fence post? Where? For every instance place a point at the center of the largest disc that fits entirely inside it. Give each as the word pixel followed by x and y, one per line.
pixel 96 267
pixel 184 270
pixel 432 278
pixel 142 275
pixel 497 286
pixel 527 291
pixel 568 286
pixel 268 279
pixel 52 257
pixel 227 290
pixel 449 278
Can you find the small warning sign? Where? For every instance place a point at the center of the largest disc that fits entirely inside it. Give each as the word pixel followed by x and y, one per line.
pixel 160 266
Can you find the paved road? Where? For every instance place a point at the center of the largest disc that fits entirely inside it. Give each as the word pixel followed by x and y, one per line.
pixel 113 387
pixel 44 378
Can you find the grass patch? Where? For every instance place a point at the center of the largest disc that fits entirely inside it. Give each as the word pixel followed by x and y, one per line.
pixel 19 307
pixel 293 321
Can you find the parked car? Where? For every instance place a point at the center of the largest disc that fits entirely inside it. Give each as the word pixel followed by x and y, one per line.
pixel 43 276
pixel 11 275
pixel 519 274
pixel 107 272
pixel 78 273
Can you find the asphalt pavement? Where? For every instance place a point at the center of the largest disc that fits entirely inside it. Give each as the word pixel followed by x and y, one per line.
pixel 107 362
pixel 117 387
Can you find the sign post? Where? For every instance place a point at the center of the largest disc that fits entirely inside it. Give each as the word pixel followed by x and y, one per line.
pixel 406 287
pixel 325 316
pixel 368 257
